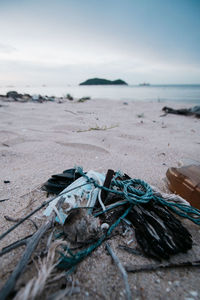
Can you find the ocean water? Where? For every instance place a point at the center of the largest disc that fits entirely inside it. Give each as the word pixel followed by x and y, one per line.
pixel 162 93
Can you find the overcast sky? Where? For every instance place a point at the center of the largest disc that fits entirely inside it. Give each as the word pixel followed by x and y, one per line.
pixel 68 41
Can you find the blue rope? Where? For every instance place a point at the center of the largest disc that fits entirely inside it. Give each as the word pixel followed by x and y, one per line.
pixel 128 190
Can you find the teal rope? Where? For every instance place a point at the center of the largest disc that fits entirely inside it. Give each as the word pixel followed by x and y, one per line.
pixel 128 190
pixel 136 196
pixel 68 262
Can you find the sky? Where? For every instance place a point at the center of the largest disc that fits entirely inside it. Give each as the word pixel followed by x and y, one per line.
pixel 61 42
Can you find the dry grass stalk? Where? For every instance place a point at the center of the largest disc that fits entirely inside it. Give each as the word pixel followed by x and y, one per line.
pixel 98 128
pixel 35 287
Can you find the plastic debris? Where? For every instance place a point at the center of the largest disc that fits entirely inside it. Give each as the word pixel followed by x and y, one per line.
pixel 85 196
pixel 183 111
pixel 185 181
pixel 112 198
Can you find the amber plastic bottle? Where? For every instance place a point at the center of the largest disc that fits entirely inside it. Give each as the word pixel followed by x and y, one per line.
pixel 185 181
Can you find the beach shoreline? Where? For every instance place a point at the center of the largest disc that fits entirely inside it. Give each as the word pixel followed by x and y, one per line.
pixel 188 93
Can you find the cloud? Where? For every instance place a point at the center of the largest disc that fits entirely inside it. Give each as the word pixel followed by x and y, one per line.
pixel 4 48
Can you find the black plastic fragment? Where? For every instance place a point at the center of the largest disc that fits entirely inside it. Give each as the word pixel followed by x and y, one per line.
pixel 58 182
pixel 159 233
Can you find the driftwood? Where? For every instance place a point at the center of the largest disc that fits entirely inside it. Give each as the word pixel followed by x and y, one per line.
pixel 183 111
pixel 31 244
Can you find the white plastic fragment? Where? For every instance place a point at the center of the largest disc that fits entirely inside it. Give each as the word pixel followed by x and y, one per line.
pixel 85 196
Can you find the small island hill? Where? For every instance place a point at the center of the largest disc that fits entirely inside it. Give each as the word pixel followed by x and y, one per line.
pixel 101 81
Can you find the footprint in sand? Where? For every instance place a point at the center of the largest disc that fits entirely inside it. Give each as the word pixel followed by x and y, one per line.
pixel 85 147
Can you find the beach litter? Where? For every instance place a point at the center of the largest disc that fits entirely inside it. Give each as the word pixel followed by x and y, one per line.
pixel 83 99
pixel 69 97
pixel 185 181
pixel 90 206
pixel 193 111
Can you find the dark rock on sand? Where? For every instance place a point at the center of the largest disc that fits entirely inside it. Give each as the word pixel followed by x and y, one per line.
pixel 13 94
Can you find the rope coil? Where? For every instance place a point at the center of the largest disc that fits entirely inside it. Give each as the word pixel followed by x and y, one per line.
pixel 127 189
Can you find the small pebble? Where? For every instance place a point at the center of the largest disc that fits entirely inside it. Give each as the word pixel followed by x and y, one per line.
pixel 168 290
pixel 6 181
pixel 169 282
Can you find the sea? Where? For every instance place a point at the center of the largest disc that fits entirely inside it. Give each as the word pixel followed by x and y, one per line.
pixel 160 93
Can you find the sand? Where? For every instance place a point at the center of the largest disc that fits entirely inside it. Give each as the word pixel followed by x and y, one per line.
pixel 38 140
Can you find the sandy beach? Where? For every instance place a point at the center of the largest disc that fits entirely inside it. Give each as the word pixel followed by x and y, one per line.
pixel 38 140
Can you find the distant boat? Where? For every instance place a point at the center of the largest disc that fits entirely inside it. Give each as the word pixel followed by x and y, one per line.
pixel 144 84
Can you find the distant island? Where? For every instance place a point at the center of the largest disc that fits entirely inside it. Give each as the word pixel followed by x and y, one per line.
pixel 100 81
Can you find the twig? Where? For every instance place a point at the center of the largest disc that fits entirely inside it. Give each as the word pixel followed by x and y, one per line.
pixel 49 240
pixel 14 245
pixel 130 250
pixel 122 270
pixel 98 128
pixel 10 219
pixel 153 267
pixel 31 245
pixel 36 210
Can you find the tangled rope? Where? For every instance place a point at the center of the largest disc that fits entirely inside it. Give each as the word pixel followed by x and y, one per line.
pixel 134 191
pixel 128 189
